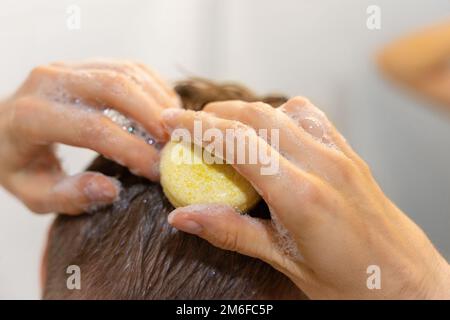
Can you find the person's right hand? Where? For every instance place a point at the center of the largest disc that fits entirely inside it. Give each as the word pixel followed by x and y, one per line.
pixel 59 103
pixel 332 226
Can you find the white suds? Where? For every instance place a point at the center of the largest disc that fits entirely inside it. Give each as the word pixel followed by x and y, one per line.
pixel 284 240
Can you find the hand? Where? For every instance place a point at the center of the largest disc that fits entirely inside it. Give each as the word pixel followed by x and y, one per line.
pixel 330 220
pixel 420 61
pixel 60 103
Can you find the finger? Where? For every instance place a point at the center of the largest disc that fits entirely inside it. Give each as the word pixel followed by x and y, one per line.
pixel 224 228
pixel 108 88
pixel 310 118
pixel 306 138
pixel 46 192
pixel 272 175
pixel 42 122
pixel 163 83
pixel 297 145
pixel 135 73
pixel 172 98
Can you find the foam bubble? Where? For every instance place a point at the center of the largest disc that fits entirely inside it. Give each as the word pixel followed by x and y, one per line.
pixel 284 240
pixel 131 126
pixel 126 196
pixel 313 121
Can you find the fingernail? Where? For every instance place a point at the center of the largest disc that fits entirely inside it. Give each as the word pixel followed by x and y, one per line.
pixel 313 127
pixel 188 226
pixel 103 190
pixel 185 225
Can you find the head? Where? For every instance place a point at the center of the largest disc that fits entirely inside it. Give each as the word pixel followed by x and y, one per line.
pixel 129 251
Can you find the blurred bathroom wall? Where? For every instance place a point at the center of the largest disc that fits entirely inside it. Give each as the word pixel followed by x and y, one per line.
pixel 319 49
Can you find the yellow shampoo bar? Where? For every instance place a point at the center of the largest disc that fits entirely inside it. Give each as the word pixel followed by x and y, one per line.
pixel 186 179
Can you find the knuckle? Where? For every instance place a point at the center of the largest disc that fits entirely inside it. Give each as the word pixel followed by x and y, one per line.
pixel 307 188
pixel 257 108
pixel 301 100
pixel 296 105
pixel 115 80
pixel 23 109
pixel 37 75
pixel 212 106
pixel 32 200
pixel 123 83
pixel 347 170
pixel 311 193
pixel 43 71
pixel 35 205
pixel 118 78
pixel 23 106
pixel 38 71
pixel 230 241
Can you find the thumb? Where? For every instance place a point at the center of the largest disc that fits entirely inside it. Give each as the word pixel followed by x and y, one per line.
pixel 83 192
pixel 225 228
pixel 44 193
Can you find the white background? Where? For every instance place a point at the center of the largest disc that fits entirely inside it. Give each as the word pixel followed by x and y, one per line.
pixel 319 49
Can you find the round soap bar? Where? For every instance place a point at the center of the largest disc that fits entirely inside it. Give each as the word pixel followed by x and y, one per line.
pixel 186 179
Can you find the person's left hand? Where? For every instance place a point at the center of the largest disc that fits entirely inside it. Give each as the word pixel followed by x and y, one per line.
pixel 62 103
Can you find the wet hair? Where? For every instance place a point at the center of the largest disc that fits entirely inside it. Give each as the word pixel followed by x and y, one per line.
pixel 129 251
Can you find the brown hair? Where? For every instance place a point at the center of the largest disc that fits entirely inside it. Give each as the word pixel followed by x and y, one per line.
pixel 129 251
